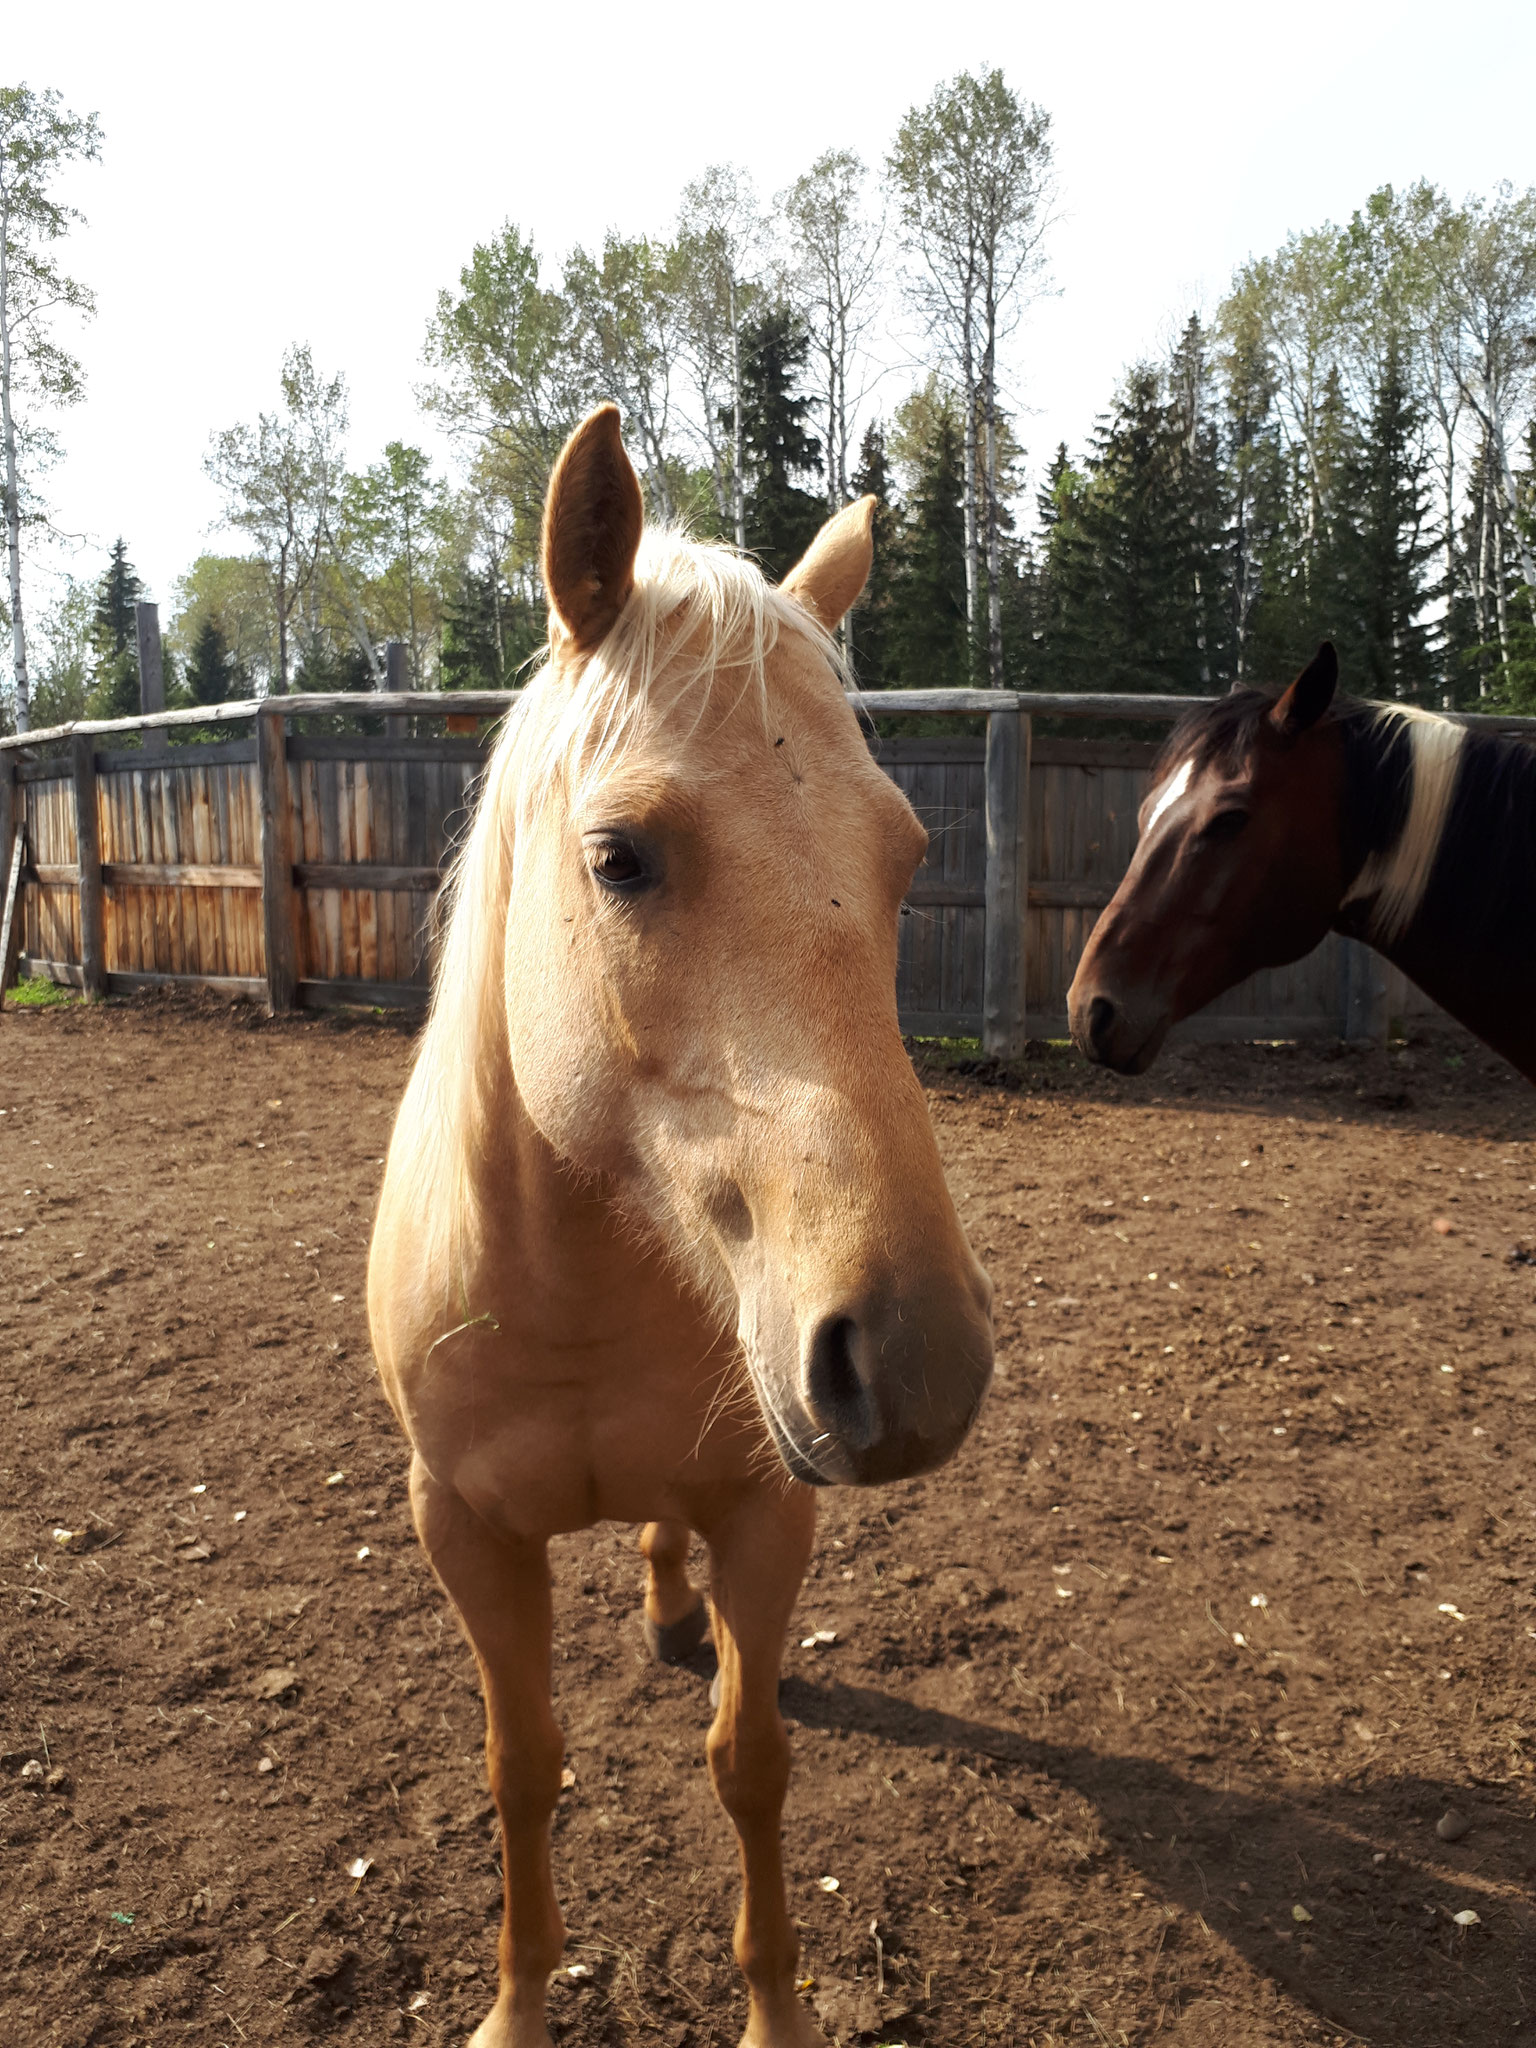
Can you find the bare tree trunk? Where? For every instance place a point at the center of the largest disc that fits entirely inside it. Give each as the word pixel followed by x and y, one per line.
pixel 12 485
pixel 738 428
pixel 354 611
pixel 410 605
pixel 280 688
pixel 993 525
pixel 1512 509
pixel 1501 595
pixel 968 380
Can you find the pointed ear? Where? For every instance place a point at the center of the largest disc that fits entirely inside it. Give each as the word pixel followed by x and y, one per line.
pixel 1304 703
pixel 593 514
pixel 835 567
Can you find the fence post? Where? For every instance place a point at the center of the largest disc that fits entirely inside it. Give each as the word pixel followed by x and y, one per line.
pixel 277 909
pixel 397 676
pixel 146 624
pixel 1362 993
pixel 11 847
pixel 93 906
pixel 1007 819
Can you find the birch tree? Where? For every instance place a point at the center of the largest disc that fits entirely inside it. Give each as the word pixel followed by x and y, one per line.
pixel 971 176
pixel 831 270
pixel 628 307
pixel 1483 258
pixel 267 475
pixel 318 406
pixel 719 239
pixel 37 138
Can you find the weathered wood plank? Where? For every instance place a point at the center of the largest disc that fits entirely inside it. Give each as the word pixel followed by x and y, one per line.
pixel 93 956
pixel 335 992
pixel 204 754
pixel 277 904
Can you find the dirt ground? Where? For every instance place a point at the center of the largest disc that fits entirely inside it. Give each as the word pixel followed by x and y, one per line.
pixel 1140 1717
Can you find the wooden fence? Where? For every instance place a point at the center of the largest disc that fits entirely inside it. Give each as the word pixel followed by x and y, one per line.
pixel 301 869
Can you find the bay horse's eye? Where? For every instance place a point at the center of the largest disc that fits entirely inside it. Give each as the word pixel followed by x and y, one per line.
pixel 1224 826
pixel 616 864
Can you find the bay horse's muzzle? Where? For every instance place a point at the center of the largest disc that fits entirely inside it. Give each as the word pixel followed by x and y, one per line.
pixel 1115 1032
pixel 888 1389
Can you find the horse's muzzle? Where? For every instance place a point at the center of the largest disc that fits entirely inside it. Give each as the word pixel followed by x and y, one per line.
pixel 887 1389
pixel 1115 1034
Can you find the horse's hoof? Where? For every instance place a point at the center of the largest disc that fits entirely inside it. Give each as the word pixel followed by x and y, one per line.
pixel 674 1642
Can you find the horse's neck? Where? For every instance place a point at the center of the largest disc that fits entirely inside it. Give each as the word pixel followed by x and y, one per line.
pixel 1492 992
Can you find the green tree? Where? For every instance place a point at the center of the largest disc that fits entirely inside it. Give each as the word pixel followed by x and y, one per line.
pixel 870 623
pixel 832 271
pixel 782 517
pixel 928 637
pixel 1385 548
pixel 628 310
pixel 971 176
pixel 114 636
pixel 211 677
pixel 272 491
pixel 38 138
pixel 510 383
pixel 233 592
pixel 66 672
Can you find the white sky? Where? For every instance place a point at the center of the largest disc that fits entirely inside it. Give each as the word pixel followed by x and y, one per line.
pixel 275 172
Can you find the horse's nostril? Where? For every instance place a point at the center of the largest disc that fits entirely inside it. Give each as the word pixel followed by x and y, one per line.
pixel 1101 1020
pixel 835 1392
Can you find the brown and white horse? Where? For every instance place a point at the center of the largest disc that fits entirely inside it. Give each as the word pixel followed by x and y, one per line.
pixel 1273 819
pixel 664 1236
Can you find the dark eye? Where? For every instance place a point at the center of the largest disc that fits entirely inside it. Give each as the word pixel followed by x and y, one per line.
pixel 617 865
pixel 1224 826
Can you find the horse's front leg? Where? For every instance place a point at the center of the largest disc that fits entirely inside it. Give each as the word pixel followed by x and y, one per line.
pixel 675 1620
pixel 501 1591
pixel 758 1558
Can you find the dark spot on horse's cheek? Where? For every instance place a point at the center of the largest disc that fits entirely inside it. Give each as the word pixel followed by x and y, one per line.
pixel 835 904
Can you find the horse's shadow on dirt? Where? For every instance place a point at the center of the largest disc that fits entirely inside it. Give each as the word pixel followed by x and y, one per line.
pixel 1381 1954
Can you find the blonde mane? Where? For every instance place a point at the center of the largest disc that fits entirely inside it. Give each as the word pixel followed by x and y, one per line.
pixel 569 726
pixel 1395 878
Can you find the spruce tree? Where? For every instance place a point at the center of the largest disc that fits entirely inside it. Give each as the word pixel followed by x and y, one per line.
pixel 870 622
pixel 1384 547
pixel 1203 651
pixel 928 635
pixel 782 518
pixel 115 639
pixel 210 671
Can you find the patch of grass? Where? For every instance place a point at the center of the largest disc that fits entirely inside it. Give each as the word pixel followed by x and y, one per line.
pixel 950 1048
pixel 36 993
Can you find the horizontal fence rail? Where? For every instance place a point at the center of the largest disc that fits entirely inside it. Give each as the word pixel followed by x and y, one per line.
pixel 303 867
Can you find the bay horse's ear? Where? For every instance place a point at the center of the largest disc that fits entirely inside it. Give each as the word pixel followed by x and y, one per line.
pixel 835 567
pixel 1304 703
pixel 593 513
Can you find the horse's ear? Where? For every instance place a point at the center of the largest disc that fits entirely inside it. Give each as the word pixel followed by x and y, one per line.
pixel 835 567
pixel 593 514
pixel 1304 703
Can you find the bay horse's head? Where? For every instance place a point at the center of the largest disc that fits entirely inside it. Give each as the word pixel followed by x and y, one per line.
pixel 1243 860
pixel 707 871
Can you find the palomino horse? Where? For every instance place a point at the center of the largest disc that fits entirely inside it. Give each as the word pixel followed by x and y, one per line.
pixel 1273 819
pixel 663 1199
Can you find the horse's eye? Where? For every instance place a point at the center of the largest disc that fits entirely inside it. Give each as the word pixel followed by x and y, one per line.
pixel 1224 826
pixel 616 864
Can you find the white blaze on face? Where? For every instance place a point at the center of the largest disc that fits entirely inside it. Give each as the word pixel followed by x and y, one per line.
pixel 1171 791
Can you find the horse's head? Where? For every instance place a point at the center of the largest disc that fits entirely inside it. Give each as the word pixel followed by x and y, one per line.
pixel 1240 865
pixel 708 868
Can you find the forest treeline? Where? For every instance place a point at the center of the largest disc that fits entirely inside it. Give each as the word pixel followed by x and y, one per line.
pixel 1344 448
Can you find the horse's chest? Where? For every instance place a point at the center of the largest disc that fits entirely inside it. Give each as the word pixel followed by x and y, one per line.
pixel 547 1456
